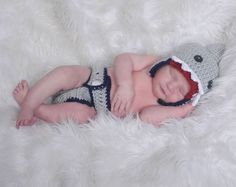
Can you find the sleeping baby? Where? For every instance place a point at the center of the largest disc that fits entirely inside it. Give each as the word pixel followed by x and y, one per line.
pixel 152 87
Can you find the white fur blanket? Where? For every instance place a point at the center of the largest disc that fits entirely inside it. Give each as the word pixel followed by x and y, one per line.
pixel 38 35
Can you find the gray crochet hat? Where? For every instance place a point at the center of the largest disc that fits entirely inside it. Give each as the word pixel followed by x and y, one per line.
pixel 201 62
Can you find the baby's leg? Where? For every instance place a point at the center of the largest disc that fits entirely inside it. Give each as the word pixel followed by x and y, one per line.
pixel 55 113
pixel 61 78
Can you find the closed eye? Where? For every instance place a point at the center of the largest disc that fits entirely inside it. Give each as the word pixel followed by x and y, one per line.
pixel 174 76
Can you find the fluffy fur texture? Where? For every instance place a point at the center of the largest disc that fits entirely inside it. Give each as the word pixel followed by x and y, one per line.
pixel 38 35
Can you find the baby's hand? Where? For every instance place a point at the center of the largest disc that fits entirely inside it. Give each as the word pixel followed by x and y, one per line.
pixel 122 100
pixel 186 109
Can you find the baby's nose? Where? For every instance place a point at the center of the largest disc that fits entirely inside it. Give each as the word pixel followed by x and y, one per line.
pixel 173 86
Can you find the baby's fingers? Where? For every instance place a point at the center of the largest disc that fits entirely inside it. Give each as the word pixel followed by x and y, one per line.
pixel 116 104
pixel 122 108
pixel 128 106
pixel 187 109
pixel 118 107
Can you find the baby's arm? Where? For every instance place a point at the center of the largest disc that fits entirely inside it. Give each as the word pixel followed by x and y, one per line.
pixel 156 114
pixel 124 65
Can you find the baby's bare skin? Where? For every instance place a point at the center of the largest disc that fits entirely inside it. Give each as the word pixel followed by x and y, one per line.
pixel 132 91
pixel 53 113
pixel 133 83
pixel 19 94
pixel 64 77
pixel 142 85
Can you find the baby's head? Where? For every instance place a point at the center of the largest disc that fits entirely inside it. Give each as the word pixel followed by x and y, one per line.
pixel 199 66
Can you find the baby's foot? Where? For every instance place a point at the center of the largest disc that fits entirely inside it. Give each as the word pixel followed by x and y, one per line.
pixel 20 91
pixel 25 118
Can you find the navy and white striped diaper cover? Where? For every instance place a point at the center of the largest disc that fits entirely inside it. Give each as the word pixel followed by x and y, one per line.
pixel 94 93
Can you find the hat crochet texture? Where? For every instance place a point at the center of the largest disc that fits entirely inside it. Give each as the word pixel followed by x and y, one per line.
pixel 201 61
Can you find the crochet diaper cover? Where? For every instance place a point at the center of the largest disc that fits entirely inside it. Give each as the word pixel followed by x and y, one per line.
pixel 94 93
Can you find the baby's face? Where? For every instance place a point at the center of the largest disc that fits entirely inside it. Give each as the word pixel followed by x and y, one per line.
pixel 170 85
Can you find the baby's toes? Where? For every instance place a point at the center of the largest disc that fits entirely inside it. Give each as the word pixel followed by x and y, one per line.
pixel 18 87
pixel 21 85
pixel 18 123
pixel 15 91
pixel 28 122
pixel 24 122
pixel 25 84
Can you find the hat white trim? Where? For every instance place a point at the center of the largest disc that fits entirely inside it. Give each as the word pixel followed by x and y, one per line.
pixel 194 77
